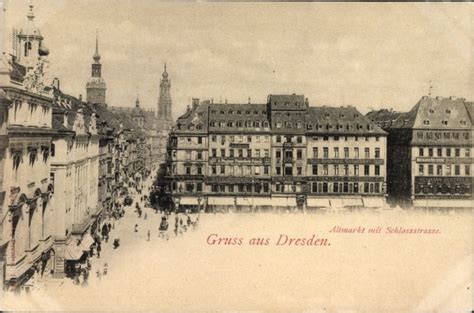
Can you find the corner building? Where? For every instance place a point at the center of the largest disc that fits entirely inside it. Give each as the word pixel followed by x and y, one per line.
pixel 281 154
pixel 430 154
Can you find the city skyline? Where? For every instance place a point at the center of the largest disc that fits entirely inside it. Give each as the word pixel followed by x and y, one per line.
pixel 344 56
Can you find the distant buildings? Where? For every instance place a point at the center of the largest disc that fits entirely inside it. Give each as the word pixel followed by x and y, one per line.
pixel 280 154
pixel 430 152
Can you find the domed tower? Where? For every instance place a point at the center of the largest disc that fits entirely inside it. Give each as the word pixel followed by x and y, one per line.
pixel 165 119
pixel 138 116
pixel 28 42
pixel 96 86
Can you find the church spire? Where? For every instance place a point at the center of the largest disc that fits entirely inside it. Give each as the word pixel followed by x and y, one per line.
pixel 96 56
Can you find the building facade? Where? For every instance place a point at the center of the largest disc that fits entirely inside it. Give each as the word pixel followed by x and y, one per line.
pixel 27 193
pixel 430 154
pixel 75 161
pixel 280 154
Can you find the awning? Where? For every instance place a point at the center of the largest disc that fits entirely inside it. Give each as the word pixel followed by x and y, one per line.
pixel 283 202
pixel 73 251
pixel 86 242
pixel 352 202
pixel 221 201
pixel 189 201
pixel 255 201
pixel 373 202
pixel 337 203
pixel 318 203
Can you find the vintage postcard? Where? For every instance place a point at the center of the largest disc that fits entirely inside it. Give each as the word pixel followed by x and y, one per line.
pixel 236 157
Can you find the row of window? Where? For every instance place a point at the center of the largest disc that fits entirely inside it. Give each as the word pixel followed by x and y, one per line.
pixel 239 138
pixel 443 189
pixel 448 152
pixel 345 187
pixel 447 170
pixel 337 170
pixel 240 153
pixel 430 135
pixel 257 153
pixel 239 124
pixel 325 170
pixel 239 112
pixel 316 187
pixel 346 153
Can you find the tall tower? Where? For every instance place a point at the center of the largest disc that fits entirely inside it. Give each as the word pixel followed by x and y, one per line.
pixel 96 86
pixel 165 119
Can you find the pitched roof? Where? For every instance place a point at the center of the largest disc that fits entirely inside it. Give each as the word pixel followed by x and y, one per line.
pixel 436 113
pixel 340 120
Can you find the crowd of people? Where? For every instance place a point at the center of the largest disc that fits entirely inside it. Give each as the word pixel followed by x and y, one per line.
pixel 141 205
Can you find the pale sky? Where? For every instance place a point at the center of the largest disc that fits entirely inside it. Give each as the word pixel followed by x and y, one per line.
pixel 366 55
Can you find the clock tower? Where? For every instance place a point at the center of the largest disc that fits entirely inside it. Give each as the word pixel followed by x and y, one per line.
pixel 96 86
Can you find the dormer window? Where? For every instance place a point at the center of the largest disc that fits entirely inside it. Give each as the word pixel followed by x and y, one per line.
pixel 199 127
pixel 426 122
pixel 341 115
pixel 309 126
pixel 463 122
pixel 247 112
pixel 431 111
pixel 222 112
pixel 448 111
pixel 231 112
pixel 299 125
pixel 444 122
pixel 288 125
pixel 257 124
pixel 255 112
pixel 213 112
pixel 239 112
pixel 264 112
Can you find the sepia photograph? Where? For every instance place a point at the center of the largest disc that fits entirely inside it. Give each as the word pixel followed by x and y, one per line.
pixel 236 156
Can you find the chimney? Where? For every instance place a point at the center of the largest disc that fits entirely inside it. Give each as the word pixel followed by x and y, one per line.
pixel 212 101
pixel 56 83
pixel 80 97
pixel 195 102
pixel 188 109
pixel 405 122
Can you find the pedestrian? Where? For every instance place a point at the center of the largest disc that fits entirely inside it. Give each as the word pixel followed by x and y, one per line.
pixel 145 216
pixel 148 234
pixel 189 221
pixel 136 227
pixel 106 267
pixel 99 275
pixel 98 249
pixel 181 222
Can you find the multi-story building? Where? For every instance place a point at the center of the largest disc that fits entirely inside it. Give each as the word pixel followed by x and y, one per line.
pixel 280 154
pixel 430 152
pixel 346 157
pixel 27 216
pixel 75 161
pixel 188 155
